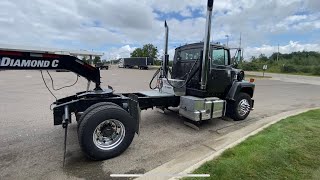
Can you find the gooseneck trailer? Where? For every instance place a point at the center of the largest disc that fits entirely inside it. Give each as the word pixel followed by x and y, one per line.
pixel 203 84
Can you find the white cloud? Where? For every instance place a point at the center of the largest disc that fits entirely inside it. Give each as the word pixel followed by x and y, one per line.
pixel 116 53
pixel 100 24
pixel 168 6
pixel 299 22
pixel 290 47
pixel 313 5
pixel 295 18
pixel 170 52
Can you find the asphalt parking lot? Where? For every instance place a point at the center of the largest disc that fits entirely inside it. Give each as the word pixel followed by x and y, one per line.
pixel 31 147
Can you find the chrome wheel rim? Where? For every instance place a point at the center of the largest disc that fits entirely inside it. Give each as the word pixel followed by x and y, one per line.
pixel 243 107
pixel 109 134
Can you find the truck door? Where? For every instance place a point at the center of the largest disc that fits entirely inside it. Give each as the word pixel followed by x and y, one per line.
pixel 219 76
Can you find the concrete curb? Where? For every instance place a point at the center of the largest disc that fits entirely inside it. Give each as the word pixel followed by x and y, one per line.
pixel 210 149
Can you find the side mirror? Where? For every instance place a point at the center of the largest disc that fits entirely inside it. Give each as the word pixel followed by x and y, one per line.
pixel 234 63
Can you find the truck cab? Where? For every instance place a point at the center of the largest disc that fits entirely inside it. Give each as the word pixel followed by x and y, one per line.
pixel 221 73
pixel 223 80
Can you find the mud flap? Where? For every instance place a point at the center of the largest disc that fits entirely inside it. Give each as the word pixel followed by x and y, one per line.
pixel 134 110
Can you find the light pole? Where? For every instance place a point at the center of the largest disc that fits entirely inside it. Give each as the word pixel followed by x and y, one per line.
pixel 227 36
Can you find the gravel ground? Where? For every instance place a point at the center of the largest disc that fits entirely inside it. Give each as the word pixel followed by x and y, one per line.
pixel 32 148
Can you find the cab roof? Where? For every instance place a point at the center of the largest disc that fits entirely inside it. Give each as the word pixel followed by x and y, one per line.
pixel 199 45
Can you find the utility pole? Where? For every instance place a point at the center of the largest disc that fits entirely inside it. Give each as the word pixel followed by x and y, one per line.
pixel 278 53
pixel 227 36
pixel 240 41
pixel 241 55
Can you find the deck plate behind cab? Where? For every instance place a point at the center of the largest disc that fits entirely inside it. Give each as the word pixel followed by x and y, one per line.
pixel 156 93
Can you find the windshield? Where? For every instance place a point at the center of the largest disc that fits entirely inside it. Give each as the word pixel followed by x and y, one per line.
pixel 189 54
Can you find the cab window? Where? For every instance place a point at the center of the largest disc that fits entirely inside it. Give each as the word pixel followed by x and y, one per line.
pixel 219 57
pixel 189 54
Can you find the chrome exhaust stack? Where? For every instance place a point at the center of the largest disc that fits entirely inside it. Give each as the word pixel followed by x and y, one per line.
pixel 168 85
pixel 206 47
pixel 165 61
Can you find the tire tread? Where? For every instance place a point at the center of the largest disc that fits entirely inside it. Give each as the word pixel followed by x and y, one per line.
pixel 89 148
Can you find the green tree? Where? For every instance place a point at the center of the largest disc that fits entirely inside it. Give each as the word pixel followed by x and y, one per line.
pixel 138 52
pixel 96 59
pixel 273 57
pixel 306 62
pixel 263 57
pixel 84 59
pixel 148 50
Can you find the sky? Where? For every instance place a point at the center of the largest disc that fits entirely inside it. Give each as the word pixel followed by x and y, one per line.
pixel 117 27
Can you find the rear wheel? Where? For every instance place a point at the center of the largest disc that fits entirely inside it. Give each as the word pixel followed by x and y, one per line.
pixel 89 109
pixel 105 132
pixel 240 108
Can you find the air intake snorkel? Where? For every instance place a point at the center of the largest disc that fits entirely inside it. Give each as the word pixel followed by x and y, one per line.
pixel 164 72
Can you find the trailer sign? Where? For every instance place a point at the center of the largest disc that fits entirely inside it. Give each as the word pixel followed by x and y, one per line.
pixel 8 62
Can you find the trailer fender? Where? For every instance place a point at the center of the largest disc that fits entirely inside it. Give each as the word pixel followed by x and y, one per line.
pixel 134 110
pixel 240 86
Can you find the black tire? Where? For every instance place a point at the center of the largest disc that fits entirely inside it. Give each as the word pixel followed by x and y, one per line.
pixel 232 107
pixel 93 107
pixel 93 119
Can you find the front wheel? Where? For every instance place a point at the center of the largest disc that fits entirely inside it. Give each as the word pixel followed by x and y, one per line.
pixel 240 108
pixel 106 132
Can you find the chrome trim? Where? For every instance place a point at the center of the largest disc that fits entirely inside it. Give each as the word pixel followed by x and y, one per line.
pixel 117 134
pixel 243 107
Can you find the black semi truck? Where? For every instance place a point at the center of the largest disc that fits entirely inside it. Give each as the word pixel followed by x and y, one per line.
pixel 203 85
pixel 140 62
